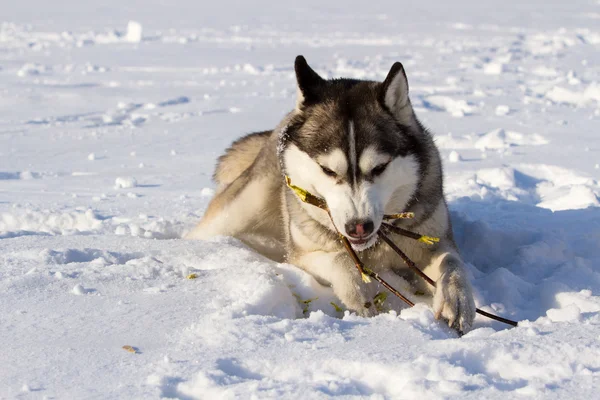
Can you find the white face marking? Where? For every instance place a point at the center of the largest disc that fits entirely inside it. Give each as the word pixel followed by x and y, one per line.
pixel 371 158
pixel 352 149
pixel 335 161
pixel 388 192
pixel 398 183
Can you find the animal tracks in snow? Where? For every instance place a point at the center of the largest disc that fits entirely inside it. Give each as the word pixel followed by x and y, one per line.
pixel 130 115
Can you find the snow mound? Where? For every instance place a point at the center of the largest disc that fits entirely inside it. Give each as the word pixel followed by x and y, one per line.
pixel 502 139
pixel 497 139
pixel 134 32
pixel 543 185
pixel 454 157
pixel 578 98
pixel 493 68
pixel 545 71
pixel 573 198
pixel 502 110
pixel 33 69
pixel 127 182
pixel 456 108
pixel 148 227
pixel 21 221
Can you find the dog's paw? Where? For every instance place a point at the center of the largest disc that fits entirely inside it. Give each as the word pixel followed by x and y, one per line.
pixel 354 300
pixel 367 310
pixel 453 300
pixel 359 305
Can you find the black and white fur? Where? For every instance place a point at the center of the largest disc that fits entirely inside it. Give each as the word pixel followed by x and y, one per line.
pixel 358 145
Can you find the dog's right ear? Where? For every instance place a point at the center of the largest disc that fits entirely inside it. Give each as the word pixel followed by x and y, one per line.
pixel 394 91
pixel 308 81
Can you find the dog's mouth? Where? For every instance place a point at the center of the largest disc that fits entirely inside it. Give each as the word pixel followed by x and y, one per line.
pixel 359 241
pixel 364 242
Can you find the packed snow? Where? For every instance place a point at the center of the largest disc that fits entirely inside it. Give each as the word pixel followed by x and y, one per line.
pixel 112 117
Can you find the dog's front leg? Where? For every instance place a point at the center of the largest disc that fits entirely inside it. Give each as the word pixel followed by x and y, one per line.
pixel 453 298
pixel 337 270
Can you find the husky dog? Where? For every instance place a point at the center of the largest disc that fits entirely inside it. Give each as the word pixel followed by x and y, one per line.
pixel 358 145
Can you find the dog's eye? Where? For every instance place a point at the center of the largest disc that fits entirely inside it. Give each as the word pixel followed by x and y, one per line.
pixel 328 172
pixel 378 170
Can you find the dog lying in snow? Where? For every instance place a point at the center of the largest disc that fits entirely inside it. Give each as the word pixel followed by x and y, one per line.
pixel 358 145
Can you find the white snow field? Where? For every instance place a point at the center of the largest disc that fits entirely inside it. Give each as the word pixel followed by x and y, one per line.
pixel 113 113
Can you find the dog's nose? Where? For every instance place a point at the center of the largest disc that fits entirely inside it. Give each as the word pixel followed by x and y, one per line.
pixel 360 228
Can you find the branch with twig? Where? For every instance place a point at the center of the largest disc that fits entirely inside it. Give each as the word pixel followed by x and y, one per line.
pixel 366 273
pixel 416 269
pixel 371 274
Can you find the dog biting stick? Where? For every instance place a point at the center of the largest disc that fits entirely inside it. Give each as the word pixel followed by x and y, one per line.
pixel 366 273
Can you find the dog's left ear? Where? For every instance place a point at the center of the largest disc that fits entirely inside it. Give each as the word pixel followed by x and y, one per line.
pixel 309 82
pixel 394 91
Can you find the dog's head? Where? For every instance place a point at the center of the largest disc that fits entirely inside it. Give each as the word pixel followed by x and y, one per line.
pixel 354 144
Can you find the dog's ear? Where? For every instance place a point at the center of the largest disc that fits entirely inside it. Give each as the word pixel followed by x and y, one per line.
pixel 394 92
pixel 308 80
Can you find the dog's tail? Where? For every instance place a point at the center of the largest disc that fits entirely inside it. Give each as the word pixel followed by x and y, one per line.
pixel 239 157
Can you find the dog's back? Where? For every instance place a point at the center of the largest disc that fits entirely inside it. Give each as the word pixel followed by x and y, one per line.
pixel 247 204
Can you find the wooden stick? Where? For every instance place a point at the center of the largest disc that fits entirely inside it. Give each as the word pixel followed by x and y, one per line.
pixel 416 269
pixel 404 215
pixel 496 317
pixel 405 258
pixel 368 272
pixel 403 232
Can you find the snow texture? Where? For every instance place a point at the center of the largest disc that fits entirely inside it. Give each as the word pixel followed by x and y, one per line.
pixel 91 258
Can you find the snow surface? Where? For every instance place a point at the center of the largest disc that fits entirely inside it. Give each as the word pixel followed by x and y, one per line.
pixel 112 117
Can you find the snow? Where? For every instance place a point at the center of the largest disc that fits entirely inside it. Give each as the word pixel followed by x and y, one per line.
pixel 457 108
pixel 454 156
pixel 109 131
pixel 585 95
pixel 500 139
pixel 126 182
pixel 134 32
pixel 493 68
pixel 502 110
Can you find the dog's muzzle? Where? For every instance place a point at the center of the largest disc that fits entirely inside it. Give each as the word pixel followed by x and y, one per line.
pixel 359 231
